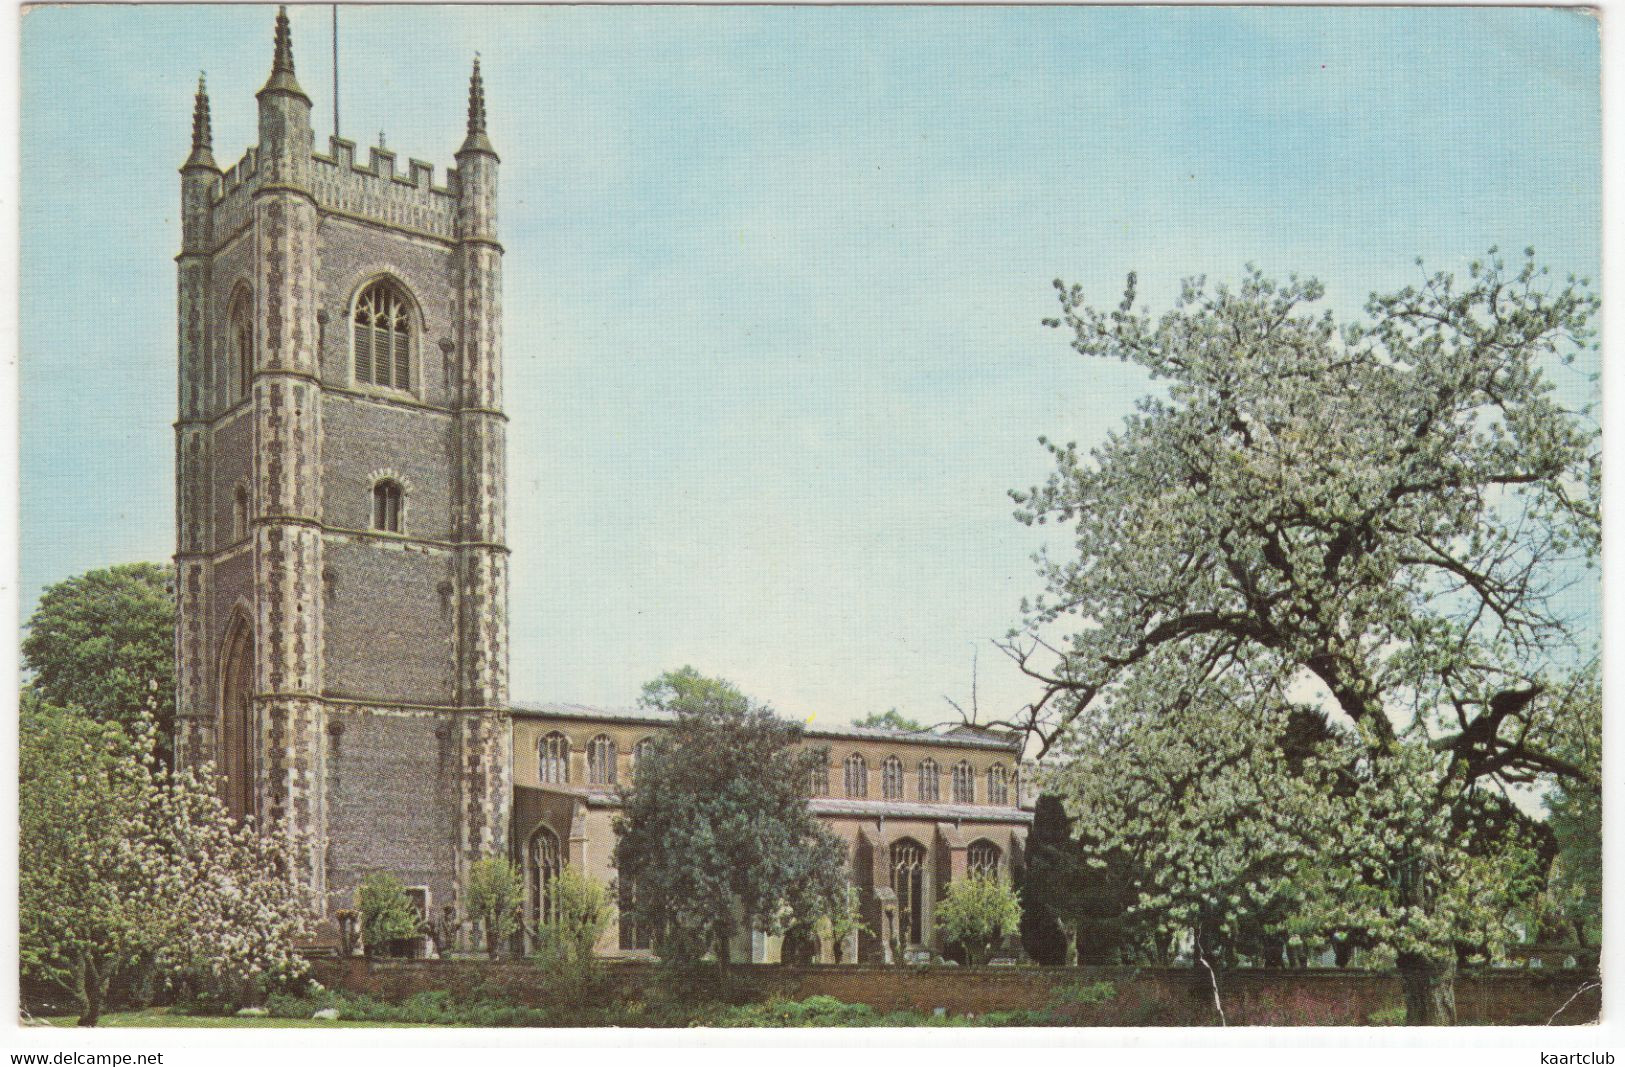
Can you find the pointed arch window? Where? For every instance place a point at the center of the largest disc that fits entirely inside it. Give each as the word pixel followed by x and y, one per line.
pixel 383 336
pixel 818 779
pixel 238 765
pixel 891 778
pixel 908 882
pixel 642 751
pixel 982 858
pixel 554 752
pixel 930 781
pixel 545 862
pixel 998 785
pixel 601 757
pixel 964 782
pixel 387 504
pixel 857 777
pixel 240 342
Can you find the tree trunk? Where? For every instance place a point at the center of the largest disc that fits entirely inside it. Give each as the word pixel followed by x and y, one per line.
pixel 1430 989
pixel 722 955
pixel 91 988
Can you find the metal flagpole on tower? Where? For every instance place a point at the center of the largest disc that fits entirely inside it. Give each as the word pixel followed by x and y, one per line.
pixel 336 71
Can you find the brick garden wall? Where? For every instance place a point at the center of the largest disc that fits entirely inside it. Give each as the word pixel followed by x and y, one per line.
pixel 1145 996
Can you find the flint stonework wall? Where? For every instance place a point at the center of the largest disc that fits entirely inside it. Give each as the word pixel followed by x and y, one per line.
pixel 392 796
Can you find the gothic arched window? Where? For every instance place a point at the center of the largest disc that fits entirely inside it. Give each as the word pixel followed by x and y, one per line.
pixel 891 778
pixel 998 784
pixel 240 342
pixel 239 512
pixel 857 777
pixel 386 506
pixel 908 882
pixel 964 783
pixel 634 936
pixel 818 779
pixel 554 753
pixel 383 336
pixel 601 755
pixel 930 784
pixel 982 858
pixel 641 751
pixel 545 862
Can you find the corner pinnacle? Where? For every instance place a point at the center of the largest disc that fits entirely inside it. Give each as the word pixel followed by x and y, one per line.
pixel 282 59
pixel 202 134
pixel 476 141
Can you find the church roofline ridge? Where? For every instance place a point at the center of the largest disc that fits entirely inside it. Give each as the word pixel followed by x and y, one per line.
pixel 657 717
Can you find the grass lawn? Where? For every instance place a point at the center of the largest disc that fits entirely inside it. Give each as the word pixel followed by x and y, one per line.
pixel 161 1017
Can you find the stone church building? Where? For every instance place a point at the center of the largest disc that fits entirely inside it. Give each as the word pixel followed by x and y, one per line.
pixel 342 557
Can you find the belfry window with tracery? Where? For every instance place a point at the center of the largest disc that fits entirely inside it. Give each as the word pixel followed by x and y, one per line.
pixel 383 337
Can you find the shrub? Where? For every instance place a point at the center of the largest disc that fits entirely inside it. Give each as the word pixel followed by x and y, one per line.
pixel 564 946
pixel 495 894
pixel 1393 1015
pixel 387 913
pixel 979 912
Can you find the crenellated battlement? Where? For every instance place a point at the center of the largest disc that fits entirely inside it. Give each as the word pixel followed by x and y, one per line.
pixel 233 195
pixel 376 191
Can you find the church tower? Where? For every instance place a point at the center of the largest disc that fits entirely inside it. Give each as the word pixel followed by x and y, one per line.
pixel 342 572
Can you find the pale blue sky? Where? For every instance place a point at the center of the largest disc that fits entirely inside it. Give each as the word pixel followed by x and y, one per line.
pixel 774 278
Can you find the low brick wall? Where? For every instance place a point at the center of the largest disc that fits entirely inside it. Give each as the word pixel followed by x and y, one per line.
pixel 1146 996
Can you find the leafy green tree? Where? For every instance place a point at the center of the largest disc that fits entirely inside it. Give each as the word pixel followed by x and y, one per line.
pixel 715 831
pixel 1046 880
pixel 125 866
pixel 1380 512
pixel 1078 903
pixel 890 719
pixel 105 642
pixel 979 913
pixel 1574 814
pixel 582 909
pixel 495 894
pixel 387 913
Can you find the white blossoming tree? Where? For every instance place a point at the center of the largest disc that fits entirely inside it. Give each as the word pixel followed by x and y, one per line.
pixel 1377 518
pixel 123 864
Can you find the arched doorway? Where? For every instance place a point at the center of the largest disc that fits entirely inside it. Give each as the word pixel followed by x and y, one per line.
pixel 235 756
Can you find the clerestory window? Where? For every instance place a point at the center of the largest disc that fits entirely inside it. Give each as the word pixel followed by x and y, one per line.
pixel 601 756
pixel 891 778
pixel 554 754
pixel 964 783
pixel 998 785
pixel 930 787
pixel 857 777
